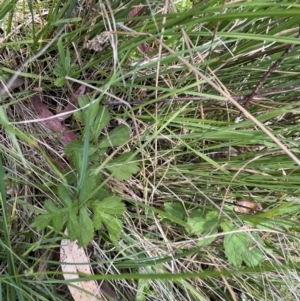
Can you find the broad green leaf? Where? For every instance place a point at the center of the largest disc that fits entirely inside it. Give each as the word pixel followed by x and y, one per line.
pixel 58 221
pixel 51 207
pixel 101 120
pixel 206 241
pixel 81 114
pixel 113 225
pixel 110 205
pixel 55 217
pixel 226 225
pixel 73 71
pixel 75 147
pixel 123 167
pixel 63 194
pixel 74 150
pixel 58 215
pixel 97 218
pixel 239 248
pixel 86 228
pixel 233 244
pixel 254 257
pixel 212 215
pixel 63 66
pixel 61 49
pixel 59 82
pixel 98 116
pixel 67 60
pixel 205 227
pixel 196 213
pixel 103 193
pixel 73 224
pixel 116 137
pixel 175 209
pixel 199 225
pixel 89 184
pixel 42 221
pixel 59 70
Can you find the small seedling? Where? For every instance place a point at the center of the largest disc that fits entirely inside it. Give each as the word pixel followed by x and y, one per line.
pixel 86 191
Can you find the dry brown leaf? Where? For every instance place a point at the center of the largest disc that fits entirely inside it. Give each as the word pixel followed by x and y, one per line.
pixel 3 85
pixel 73 103
pixel 54 124
pixel 247 207
pixel 75 257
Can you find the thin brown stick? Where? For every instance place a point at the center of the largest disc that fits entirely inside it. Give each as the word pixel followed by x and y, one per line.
pixel 241 97
pixel 269 72
pixel 235 103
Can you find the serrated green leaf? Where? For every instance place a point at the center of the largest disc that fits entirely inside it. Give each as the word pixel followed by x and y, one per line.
pixel 51 207
pixel 86 228
pixel 175 209
pixel 55 217
pixel 208 240
pixel 109 205
pixel 239 247
pixel 200 225
pixel 73 224
pixel 196 213
pixel 74 150
pixel 59 82
pixel 58 221
pixel 197 225
pixel 67 60
pixel 212 215
pixel 63 194
pixel 113 225
pixel 123 167
pixel 103 193
pixel 61 49
pixel 253 257
pixel 89 184
pixel 81 114
pixel 204 226
pixel 58 215
pixel 116 137
pixel 73 71
pixel 75 147
pixel 100 121
pixel 233 243
pixel 97 219
pixel 226 225
pixel 59 70
pixel 42 221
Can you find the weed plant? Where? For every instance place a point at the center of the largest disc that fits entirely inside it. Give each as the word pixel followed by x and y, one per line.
pixel 173 199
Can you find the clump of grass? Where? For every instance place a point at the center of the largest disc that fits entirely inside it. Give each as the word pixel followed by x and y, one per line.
pixel 182 235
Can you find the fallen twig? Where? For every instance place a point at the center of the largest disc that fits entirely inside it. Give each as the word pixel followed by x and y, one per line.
pixel 241 97
pixel 269 72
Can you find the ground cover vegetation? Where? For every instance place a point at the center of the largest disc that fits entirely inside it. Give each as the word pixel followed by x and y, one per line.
pixel 162 137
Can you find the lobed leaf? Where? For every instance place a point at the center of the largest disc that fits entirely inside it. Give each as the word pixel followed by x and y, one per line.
pixel 123 167
pixel 116 137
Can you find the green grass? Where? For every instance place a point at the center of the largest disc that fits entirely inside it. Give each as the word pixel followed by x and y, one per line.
pixel 175 170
